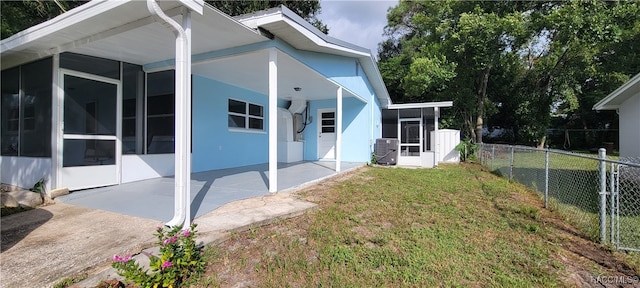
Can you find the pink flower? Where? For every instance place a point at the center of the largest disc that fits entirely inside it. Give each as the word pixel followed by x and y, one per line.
pixel 170 240
pixel 186 233
pixel 166 264
pixel 201 253
pixel 118 258
pixel 159 228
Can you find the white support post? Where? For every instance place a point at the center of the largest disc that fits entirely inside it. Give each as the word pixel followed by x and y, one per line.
pixel 186 24
pixel 182 205
pixel 273 120
pixel 338 149
pixel 57 102
pixel 436 149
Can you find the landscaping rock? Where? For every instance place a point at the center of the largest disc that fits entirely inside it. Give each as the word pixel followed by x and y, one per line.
pixel 26 198
pixel 58 192
pixel 7 201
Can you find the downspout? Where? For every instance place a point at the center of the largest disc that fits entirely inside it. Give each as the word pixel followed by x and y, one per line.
pixel 182 175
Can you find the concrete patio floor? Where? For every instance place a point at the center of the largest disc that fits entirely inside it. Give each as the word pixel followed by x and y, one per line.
pixel 153 198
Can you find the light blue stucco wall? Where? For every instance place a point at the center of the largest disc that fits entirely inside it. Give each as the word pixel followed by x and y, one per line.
pixel 355 130
pixel 214 146
pixel 361 121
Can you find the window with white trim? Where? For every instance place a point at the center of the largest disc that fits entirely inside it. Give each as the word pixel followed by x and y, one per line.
pixel 245 115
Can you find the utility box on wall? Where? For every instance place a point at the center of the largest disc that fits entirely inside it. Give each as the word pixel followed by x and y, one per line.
pixel 386 151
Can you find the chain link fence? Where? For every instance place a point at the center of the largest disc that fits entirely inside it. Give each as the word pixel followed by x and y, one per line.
pixel 601 197
pixel 626 205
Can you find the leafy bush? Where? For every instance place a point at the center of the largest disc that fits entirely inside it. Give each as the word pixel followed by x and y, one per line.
pixel 39 187
pixel 180 260
pixel 467 150
pixel 374 158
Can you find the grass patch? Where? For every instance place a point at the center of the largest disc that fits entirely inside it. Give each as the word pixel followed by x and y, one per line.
pixel 453 226
pixel 573 189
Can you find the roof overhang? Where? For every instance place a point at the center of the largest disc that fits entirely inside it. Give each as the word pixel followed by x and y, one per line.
pixel 421 105
pixel 620 95
pixel 125 31
pixel 250 71
pixel 288 26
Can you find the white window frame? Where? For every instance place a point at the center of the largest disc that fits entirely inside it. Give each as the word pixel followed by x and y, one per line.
pixel 246 116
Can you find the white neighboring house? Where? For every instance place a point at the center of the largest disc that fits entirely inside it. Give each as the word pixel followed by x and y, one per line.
pixel 626 101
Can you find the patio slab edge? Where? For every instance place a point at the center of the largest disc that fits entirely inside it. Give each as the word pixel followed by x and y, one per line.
pixel 217 226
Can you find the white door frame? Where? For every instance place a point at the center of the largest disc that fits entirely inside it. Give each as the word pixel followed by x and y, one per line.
pixel 410 160
pixel 335 127
pixel 88 171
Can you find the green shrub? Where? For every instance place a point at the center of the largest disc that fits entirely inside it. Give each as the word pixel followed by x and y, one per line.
pixel 467 150
pixel 180 260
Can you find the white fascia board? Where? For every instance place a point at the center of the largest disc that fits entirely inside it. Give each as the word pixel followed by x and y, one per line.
pixel 421 105
pixel 371 69
pixel 71 17
pixel 625 90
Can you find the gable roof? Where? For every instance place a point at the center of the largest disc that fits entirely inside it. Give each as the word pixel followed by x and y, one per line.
pixel 293 29
pixel 620 95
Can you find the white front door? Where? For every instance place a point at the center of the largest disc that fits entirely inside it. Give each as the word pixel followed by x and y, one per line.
pixel 410 131
pixel 91 131
pixel 326 134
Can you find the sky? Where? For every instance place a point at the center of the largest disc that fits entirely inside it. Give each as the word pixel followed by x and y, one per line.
pixel 359 22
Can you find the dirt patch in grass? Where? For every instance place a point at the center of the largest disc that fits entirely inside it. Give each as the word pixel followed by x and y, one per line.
pixel 451 226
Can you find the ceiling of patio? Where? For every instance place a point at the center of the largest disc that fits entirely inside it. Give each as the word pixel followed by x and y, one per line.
pixel 251 71
pixel 124 31
pixel 153 42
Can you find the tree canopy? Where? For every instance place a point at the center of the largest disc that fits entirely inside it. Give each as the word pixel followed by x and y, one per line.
pixel 510 64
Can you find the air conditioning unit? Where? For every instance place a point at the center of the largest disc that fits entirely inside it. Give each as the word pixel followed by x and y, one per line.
pixel 386 151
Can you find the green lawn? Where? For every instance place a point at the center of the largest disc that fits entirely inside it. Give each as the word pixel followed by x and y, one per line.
pixel 573 189
pixel 457 225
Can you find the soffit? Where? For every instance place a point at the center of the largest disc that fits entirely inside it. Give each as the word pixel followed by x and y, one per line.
pixel 251 71
pixel 124 32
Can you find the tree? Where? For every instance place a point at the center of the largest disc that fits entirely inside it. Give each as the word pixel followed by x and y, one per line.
pixel 592 48
pixel 20 15
pixel 449 50
pixel 517 65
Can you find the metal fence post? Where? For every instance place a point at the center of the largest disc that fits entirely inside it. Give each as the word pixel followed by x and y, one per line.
pixel 511 165
pixel 493 155
pixel 546 178
pixel 602 154
pixel 612 191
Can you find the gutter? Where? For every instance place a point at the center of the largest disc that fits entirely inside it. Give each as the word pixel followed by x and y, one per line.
pixel 182 205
